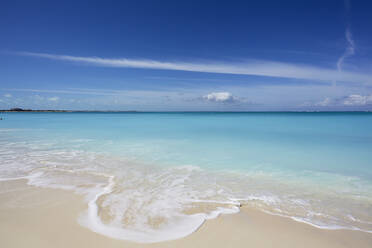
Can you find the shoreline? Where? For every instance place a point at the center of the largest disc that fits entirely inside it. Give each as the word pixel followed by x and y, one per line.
pixel 169 112
pixel 49 217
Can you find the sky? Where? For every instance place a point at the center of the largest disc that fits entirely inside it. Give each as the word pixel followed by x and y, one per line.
pixel 186 55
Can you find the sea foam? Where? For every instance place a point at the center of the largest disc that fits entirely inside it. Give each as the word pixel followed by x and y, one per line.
pixel 149 203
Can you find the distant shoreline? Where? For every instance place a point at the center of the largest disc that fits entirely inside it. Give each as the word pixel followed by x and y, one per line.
pixel 35 110
pixel 56 111
pixel 19 110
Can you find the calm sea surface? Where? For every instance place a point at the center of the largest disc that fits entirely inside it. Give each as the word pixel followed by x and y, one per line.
pixel 149 177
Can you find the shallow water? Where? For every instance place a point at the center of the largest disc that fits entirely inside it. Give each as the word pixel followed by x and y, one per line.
pixel 149 177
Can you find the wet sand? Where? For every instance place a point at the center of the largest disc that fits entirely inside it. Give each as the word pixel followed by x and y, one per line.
pixel 37 217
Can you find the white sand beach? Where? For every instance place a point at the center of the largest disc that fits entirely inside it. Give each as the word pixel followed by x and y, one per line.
pixel 38 217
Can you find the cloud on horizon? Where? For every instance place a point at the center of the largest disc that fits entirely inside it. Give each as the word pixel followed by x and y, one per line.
pixel 251 67
pixel 357 100
pixel 225 97
pixel 54 99
pixel 349 100
pixel 326 102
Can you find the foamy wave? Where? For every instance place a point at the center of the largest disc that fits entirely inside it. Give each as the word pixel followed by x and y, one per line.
pixel 125 200
pixel 179 228
pixel 175 224
pixel 147 203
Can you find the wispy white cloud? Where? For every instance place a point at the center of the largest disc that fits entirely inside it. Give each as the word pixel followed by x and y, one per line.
pixel 357 100
pixel 349 100
pixel 326 102
pixel 53 99
pixel 349 51
pixel 350 48
pixel 323 103
pixel 347 5
pixel 97 92
pixel 252 67
pixel 93 92
pixel 8 95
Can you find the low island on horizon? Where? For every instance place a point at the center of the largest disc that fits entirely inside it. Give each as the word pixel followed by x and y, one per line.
pixel 58 110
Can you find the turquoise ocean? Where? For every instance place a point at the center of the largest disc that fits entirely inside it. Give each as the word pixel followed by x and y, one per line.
pixel 149 177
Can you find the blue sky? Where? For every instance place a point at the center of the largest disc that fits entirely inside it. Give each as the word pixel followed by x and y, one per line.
pixel 186 55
